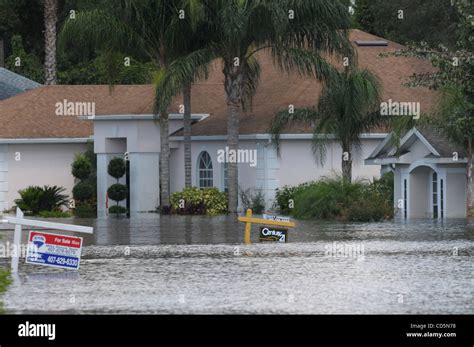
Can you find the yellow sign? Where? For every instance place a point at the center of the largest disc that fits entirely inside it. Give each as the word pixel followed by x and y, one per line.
pixel 249 220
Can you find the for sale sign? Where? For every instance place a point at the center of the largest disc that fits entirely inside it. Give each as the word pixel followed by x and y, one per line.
pixel 54 250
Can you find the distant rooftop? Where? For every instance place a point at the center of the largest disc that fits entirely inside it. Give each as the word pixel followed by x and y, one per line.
pixel 12 84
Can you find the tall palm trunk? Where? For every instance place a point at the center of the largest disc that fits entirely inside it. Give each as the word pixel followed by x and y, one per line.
pixel 346 162
pixel 50 21
pixel 233 87
pixel 164 163
pixel 187 135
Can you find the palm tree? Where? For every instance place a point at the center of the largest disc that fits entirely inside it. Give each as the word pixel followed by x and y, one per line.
pixel 295 32
pixel 454 116
pixel 50 21
pixel 148 29
pixel 348 106
pixel 187 134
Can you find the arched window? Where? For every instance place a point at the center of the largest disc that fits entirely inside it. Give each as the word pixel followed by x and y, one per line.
pixel 205 175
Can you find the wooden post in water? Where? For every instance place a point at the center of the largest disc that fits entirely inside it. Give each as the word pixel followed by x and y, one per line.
pixel 248 219
pixel 248 226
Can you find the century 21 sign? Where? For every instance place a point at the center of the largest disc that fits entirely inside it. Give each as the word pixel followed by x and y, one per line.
pixel 273 234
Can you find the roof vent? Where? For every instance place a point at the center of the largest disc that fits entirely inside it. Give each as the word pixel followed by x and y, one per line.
pixel 375 43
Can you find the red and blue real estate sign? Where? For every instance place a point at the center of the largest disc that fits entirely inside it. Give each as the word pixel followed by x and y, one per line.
pixel 54 250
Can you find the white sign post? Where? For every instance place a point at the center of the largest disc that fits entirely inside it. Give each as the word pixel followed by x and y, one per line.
pixel 19 221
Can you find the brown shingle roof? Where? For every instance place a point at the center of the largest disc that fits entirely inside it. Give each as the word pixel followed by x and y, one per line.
pixel 32 114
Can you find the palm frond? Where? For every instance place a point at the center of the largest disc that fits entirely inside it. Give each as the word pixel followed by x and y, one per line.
pixel 170 81
pixel 99 29
pixel 303 62
pixel 304 116
pixel 251 80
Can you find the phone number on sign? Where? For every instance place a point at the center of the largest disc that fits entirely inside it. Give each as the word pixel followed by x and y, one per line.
pixel 62 261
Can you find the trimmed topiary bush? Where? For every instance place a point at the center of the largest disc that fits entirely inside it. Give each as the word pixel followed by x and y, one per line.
pixel 117 192
pixel 87 209
pixel 116 209
pixel 83 190
pixel 81 167
pixel 116 168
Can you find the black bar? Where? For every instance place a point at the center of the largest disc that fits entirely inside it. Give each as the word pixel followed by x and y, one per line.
pixel 320 330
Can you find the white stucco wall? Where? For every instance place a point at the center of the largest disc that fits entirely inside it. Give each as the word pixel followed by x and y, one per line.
pixel 295 164
pixel 39 164
pixel 298 164
pixel 456 190
pixel 247 174
pixel 419 193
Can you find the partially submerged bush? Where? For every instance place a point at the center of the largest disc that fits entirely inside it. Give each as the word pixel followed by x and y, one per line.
pixel 117 209
pixel 5 280
pixel 54 214
pixel 193 200
pixel 254 200
pixel 83 190
pixel 336 199
pixel 86 209
pixel 285 196
pixel 35 199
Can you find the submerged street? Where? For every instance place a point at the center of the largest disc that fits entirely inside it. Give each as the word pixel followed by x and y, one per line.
pixel 184 264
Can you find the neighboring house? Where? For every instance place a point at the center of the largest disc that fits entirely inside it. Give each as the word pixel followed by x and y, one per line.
pixel 121 123
pixel 12 84
pixel 430 174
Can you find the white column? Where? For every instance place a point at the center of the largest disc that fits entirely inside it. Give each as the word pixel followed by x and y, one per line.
pixel 144 182
pixel 17 242
pixel 102 162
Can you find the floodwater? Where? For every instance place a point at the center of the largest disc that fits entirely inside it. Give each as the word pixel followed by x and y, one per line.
pixel 184 264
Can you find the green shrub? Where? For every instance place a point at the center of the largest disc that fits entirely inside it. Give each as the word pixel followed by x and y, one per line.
pixel 34 199
pixel 87 209
pixel 30 199
pixel 116 168
pixel 83 190
pixel 284 195
pixel 116 209
pixel 81 167
pixel 369 207
pixel 253 200
pixel 117 192
pixel 54 214
pixel 334 199
pixel 384 185
pixel 208 201
pixel 5 281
